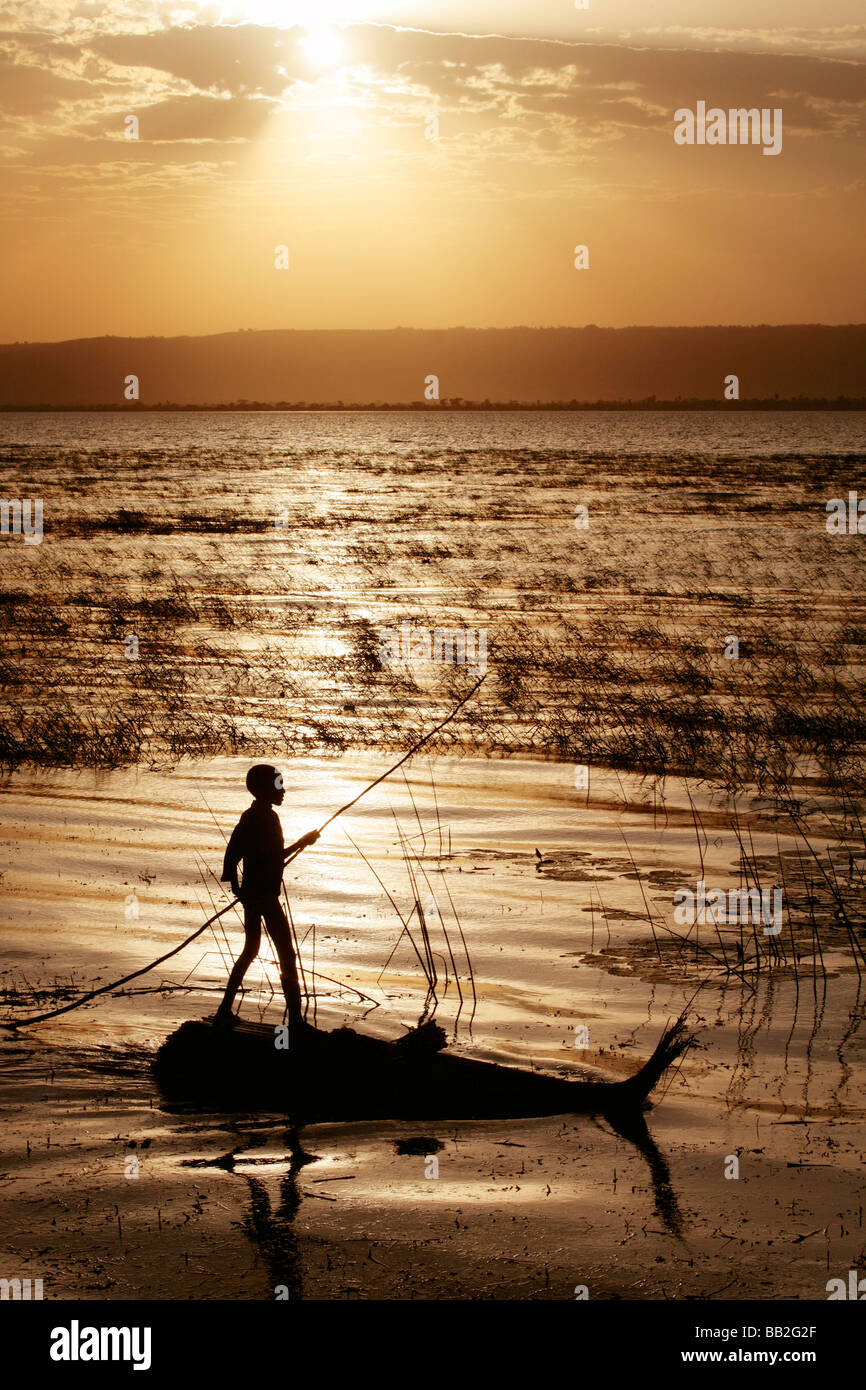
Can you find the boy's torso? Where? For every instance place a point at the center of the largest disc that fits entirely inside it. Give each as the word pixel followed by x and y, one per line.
pixel 261 844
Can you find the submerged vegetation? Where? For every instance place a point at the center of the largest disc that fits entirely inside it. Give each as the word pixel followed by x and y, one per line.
pixel 231 603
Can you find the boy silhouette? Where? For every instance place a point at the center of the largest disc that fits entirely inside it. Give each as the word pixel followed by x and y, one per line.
pixel 257 841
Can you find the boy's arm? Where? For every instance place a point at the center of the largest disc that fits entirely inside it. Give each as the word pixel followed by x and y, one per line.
pixel 309 839
pixel 233 855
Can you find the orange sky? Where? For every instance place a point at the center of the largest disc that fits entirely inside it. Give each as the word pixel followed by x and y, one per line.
pixel 554 128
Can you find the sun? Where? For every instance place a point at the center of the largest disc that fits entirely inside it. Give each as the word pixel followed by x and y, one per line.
pixel 323 46
pixel 318 20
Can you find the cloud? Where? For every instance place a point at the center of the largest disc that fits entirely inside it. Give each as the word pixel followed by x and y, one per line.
pixel 31 90
pixel 216 58
pixel 498 97
pixel 200 118
pixel 463 69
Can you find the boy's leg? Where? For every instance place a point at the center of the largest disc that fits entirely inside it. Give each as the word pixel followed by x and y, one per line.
pixel 252 941
pixel 278 929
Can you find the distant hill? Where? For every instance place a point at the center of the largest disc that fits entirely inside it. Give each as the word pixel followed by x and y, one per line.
pixel 518 365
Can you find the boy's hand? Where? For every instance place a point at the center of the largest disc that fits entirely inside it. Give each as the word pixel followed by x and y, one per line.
pixel 235 887
pixel 310 838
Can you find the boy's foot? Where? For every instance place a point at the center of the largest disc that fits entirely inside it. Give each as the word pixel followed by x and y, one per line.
pixel 224 1018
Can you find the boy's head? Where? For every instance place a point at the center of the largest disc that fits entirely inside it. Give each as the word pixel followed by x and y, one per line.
pixel 265 783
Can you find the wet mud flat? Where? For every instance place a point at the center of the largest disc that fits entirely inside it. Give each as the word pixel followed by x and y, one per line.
pixel 244 1206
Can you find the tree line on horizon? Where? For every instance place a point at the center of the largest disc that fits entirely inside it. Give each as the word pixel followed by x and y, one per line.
pixel 456 403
